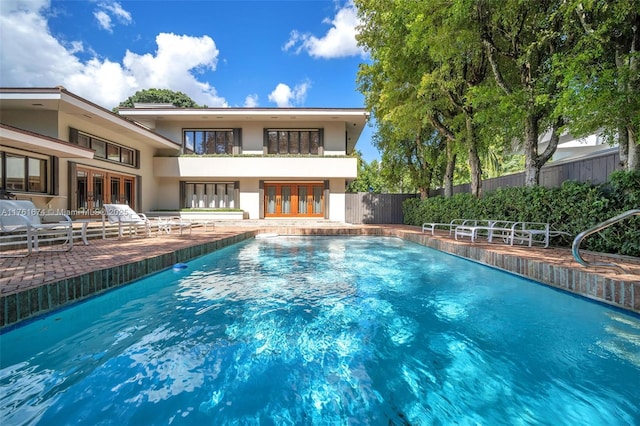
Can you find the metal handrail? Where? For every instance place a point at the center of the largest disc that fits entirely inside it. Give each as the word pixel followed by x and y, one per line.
pixel 575 248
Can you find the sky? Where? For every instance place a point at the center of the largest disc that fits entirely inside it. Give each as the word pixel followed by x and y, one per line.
pixel 242 53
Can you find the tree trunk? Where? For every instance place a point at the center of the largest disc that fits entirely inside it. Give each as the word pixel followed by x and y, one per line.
pixel 474 159
pixel 633 158
pixel 531 167
pixel 450 170
pixel 623 147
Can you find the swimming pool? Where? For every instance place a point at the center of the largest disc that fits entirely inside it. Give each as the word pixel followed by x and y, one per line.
pixel 325 330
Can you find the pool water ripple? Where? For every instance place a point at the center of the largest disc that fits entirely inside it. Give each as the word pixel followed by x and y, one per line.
pixel 325 331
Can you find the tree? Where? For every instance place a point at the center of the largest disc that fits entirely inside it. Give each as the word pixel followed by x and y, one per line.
pixel 521 39
pixel 158 96
pixel 390 85
pixel 450 37
pixel 601 76
pixel 369 177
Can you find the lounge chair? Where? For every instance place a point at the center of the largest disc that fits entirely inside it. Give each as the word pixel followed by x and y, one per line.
pixel 166 224
pixel 22 223
pixel 125 216
pixel 451 226
pixel 535 232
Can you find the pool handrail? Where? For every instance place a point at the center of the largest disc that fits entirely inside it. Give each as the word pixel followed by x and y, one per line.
pixel 575 247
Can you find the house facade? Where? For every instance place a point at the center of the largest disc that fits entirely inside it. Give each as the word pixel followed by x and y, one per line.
pixel 66 153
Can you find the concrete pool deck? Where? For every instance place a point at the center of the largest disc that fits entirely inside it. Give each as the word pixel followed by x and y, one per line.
pixel 45 281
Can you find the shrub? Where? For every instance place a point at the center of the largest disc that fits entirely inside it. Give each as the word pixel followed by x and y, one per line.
pixel 573 207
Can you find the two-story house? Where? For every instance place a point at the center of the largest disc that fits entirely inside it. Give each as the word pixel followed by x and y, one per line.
pixel 64 152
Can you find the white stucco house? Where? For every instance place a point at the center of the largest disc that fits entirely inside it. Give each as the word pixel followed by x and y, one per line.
pixel 64 152
pixel 571 147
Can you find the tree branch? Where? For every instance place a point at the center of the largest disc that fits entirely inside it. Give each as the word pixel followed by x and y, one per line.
pixel 491 55
pixel 444 130
pixel 553 142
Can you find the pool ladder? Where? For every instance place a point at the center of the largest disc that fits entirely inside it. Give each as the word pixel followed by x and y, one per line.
pixel 575 248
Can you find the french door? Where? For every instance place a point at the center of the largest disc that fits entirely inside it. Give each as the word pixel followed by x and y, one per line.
pixel 94 188
pixel 294 199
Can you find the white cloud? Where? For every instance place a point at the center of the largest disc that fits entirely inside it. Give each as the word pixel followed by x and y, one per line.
pixel 251 101
pixel 34 58
pixel 285 96
pixel 104 20
pixel 104 14
pixel 339 41
pixel 118 11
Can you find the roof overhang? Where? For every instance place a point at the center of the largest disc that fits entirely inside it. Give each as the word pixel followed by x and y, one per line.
pixel 60 100
pixel 33 142
pixel 354 119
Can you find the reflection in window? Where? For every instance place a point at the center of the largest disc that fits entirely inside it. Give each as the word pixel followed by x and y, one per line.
pixel 215 141
pixel 113 153
pixel 126 156
pixel 15 173
pixel 100 147
pixel 22 173
pixel 37 175
pixel 306 142
pixel 104 149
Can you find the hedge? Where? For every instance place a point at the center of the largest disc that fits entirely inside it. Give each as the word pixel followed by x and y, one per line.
pixel 573 207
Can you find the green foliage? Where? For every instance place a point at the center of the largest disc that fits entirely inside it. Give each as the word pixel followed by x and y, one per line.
pixel 574 207
pixel 158 96
pixel 369 178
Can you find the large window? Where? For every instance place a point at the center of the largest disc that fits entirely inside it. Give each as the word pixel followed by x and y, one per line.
pixel 305 142
pixel 104 149
pixel 209 195
pixel 212 141
pixel 22 173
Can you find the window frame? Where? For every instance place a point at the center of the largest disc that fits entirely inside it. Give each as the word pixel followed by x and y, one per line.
pixel 206 141
pixel 231 196
pixel 278 141
pixel 102 148
pixel 43 164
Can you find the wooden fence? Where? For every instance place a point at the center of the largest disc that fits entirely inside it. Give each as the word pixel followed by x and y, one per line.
pixel 595 169
pixel 365 207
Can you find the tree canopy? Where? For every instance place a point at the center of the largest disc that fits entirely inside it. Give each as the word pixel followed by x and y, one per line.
pixel 467 79
pixel 159 96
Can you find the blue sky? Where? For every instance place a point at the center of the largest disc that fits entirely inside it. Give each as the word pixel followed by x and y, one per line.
pixel 295 53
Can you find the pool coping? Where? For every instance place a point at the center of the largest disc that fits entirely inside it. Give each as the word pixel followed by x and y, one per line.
pixel 621 292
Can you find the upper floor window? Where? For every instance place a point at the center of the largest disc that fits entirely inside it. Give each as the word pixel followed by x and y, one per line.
pixel 22 173
pixel 305 141
pixel 212 141
pixel 104 149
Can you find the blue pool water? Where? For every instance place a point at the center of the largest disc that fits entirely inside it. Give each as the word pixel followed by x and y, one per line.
pixel 325 331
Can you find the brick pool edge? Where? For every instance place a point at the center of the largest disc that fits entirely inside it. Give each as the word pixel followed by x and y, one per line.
pixel 18 307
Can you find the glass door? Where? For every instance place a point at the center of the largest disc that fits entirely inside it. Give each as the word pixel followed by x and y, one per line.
pixel 115 183
pixel 95 187
pixel 285 205
pixel 294 200
pixel 97 194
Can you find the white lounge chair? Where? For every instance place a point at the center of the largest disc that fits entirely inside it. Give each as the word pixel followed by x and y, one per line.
pixel 451 226
pixel 22 223
pixel 124 216
pixel 535 233
pixel 166 224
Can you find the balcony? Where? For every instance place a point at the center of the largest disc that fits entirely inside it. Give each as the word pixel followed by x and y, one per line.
pixel 256 167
